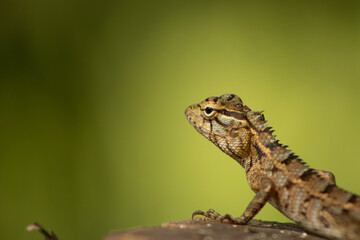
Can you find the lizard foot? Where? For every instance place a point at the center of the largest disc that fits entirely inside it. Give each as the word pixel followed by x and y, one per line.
pixel 213 215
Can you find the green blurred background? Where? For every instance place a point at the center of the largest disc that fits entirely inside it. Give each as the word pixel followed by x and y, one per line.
pixel 92 97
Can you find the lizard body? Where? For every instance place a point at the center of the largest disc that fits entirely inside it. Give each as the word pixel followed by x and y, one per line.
pixel 307 196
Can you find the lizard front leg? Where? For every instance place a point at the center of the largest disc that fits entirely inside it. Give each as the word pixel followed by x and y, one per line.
pixel 261 197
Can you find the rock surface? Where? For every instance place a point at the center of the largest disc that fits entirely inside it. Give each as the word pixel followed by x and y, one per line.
pixel 210 230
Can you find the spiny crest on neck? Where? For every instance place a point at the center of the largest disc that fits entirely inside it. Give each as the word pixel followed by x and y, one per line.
pixel 265 137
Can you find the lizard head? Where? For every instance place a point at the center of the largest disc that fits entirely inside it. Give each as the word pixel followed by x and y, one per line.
pixel 222 120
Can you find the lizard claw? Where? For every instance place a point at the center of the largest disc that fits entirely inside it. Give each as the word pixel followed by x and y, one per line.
pixel 213 215
pixel 210 214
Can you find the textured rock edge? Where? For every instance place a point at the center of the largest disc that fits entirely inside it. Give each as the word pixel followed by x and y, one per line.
pixel 210 230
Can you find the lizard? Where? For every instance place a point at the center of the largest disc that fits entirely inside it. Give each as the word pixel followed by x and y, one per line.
pixel 307 196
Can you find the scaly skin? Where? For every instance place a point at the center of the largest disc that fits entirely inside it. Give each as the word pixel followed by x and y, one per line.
pixel 307 196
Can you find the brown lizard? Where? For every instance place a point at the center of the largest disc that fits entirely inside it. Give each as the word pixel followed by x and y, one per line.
pixel 307 196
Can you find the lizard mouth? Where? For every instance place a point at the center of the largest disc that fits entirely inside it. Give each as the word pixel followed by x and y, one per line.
pixel 192 113
pixel 194 116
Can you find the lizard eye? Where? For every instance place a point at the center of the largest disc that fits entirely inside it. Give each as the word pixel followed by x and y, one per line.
pixel 209 111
